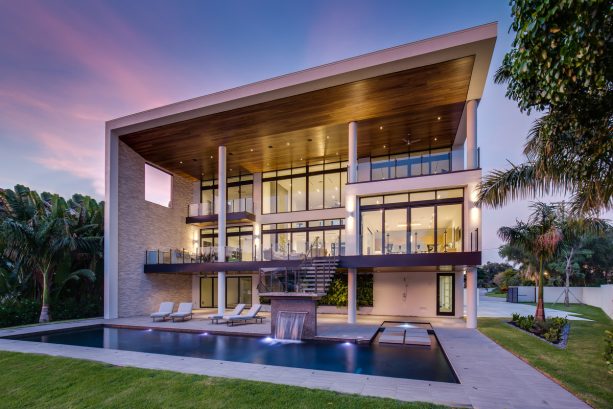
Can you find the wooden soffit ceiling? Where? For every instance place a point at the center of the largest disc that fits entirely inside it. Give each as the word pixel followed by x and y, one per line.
pixel 408 110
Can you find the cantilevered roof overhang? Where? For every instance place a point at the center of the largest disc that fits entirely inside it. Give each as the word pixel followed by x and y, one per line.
pixel 406 97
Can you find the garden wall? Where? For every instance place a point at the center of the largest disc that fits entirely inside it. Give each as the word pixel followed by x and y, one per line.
pixel 601 297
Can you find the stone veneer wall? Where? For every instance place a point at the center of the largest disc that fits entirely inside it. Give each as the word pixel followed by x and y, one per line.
pixel 144 225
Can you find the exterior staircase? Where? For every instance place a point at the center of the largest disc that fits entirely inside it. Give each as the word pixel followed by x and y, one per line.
pixel 312 276
pixel 317 274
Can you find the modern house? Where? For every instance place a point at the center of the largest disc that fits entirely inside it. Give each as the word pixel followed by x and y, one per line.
pixel 366 165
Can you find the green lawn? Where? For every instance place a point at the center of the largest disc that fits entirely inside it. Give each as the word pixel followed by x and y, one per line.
pixel 36 381
pixel 580 367
pixel 497 295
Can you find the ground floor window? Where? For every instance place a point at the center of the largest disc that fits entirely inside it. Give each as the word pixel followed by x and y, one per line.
pixel 238 291
pixel 445 294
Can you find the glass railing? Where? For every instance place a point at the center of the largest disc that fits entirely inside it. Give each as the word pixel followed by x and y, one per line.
pixel 404 165
pixel 244 204
pixel 201 255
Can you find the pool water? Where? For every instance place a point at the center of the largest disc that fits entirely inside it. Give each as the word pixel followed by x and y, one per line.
pixel 398 361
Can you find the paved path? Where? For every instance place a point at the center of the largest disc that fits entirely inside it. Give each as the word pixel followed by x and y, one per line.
pixel 498 307
pixel 490 377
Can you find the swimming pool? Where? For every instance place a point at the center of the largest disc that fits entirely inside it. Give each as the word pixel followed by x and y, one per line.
pixel 398 361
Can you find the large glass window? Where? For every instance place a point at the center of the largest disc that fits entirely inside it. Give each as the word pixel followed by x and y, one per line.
pixel 372 232
pixel 410 164
pixel 307 188
pixel 239 195
pixel 316 192
pixel 395 231
pixel 449 228
pixel 299 196
pixel 415 222
pixel 239 244
pixel 422 229
pixel 238 291
pixel 292 241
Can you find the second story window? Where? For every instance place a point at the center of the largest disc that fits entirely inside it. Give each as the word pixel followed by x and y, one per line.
pixel 404 165
pixel 239 196
pixel 311 187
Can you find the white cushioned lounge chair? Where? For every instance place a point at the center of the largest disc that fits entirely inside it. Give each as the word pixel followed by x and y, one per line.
pixel 184 312
pixel 252 314
pixel 164 311
pixel 216 317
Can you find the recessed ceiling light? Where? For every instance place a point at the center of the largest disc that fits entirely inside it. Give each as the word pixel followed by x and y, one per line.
pixel 438 118
pixel 381 128
pixel 287 144
pixel 211 156
pixel 435 139
pixel 327 136
pixel 337 153
pixel 301 158
pixel 181 162
pixel 251 149
pixel 230 170
pixel 384 146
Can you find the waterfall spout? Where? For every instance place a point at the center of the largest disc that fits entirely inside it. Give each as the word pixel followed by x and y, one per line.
pixel 289 325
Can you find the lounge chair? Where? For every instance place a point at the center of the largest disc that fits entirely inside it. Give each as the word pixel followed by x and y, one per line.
pixel 184 312
pixel 164 311
pixel 216 317
pixel 252 314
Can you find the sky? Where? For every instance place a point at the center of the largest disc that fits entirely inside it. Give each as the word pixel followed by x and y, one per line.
pixel 66 67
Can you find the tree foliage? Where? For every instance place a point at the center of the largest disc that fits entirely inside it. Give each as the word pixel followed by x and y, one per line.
pixel 49 247
pixel 561 63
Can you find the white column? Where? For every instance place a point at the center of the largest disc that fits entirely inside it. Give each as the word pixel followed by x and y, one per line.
pixel 352 284
pixel 111 226
pixel 352 171
pixel 472 154
pixel 221 225
pixel 471 297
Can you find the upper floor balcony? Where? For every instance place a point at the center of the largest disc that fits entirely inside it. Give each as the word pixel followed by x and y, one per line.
pixel 237 211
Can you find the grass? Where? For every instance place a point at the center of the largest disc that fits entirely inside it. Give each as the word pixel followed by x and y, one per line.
pixel 497 295
pixel 37 381
pixel 580 367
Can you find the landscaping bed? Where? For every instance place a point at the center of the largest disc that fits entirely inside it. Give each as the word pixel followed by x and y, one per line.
pixel 553 330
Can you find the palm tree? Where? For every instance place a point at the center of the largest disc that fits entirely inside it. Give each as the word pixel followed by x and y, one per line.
pixel 40 241
pixel 539 236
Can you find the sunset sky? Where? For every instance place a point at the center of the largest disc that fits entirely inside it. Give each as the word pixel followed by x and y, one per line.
pixel 68 66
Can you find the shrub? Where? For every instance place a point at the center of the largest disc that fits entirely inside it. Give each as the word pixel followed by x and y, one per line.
pixel 19 312
pixel 550 329
pixel 526 323
pixel 337 292
pixel 70 309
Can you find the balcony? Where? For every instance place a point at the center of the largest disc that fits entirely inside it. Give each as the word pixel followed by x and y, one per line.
pixel 237 211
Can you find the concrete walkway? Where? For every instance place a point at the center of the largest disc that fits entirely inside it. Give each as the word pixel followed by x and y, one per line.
pixel 490 377
pixel 498 307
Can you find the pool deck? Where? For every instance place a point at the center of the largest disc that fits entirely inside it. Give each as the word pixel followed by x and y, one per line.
pixel 490 376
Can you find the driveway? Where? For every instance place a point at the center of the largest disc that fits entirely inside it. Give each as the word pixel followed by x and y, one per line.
pixel 498 307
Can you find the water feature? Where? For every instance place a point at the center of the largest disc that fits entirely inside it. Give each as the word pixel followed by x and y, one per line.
pixel 369 359
pixel 289 325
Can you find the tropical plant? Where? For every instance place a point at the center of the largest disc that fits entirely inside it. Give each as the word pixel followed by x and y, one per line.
pixel 540 236
pixel 560 64
pixel 50 239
